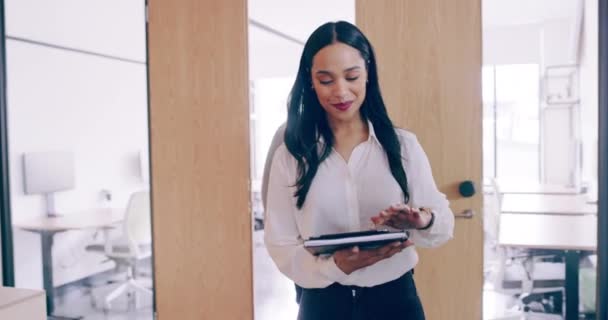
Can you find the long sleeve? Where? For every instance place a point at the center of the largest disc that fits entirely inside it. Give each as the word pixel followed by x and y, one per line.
pixel 424 193
pixel 282 236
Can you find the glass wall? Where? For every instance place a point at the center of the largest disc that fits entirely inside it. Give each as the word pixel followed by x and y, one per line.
pixel 511 121
pixel 78 155
pixel 277 32
pixel 540 103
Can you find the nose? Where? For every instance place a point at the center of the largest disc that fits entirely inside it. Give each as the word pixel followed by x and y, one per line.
pixel 340 90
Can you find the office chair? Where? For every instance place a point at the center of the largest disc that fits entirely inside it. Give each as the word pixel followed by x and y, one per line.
pixel 277 140
pixel 535 277
pixel 126 251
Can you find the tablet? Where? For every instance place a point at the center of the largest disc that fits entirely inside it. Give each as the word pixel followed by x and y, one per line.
pixel 327 244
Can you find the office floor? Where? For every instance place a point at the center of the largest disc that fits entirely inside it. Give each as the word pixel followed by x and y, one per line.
pixel 78 300
pixel 274 294
pixel 79 304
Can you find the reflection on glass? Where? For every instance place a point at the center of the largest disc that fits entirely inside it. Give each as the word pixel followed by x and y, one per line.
pixel 540 139
pixel 277 31
pixel 78 155
pixel 511 99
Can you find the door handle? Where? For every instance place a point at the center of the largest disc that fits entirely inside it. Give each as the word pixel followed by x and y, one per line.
pixel 466 214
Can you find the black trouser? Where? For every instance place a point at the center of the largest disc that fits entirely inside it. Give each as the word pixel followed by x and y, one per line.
pixel 394 300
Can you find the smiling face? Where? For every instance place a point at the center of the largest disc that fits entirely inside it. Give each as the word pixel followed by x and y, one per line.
pixel 339 78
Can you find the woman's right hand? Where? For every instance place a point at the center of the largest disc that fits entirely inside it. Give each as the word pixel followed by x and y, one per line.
pixel 351 259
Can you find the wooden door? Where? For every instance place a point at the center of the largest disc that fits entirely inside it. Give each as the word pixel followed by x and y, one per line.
pixel 199 118
pixel 429 56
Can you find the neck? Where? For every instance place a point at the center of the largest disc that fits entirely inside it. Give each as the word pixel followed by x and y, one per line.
pixel 344 129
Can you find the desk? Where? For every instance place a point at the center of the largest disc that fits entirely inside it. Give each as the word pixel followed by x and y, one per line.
pixel 22 304
pixel 570 233
pixel 47 227
pixel 547 204
pixel 536 188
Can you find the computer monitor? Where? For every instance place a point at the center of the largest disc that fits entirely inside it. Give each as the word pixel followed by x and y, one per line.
pixel 47 173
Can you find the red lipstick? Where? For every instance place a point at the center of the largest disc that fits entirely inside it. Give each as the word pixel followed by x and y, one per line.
pixel 342 106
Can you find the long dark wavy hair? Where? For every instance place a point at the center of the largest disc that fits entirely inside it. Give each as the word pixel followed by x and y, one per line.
pixel 307 121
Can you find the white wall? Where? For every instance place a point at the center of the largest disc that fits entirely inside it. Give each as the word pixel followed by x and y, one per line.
pixel 112 27
pixel 271 56
pixel 522 12
pixel 511 44
pixel 546 43
pixel 543 32
pixel 61 100
pixel 274 60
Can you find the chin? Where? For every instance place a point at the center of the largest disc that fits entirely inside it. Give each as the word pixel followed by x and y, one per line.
pixel 346 116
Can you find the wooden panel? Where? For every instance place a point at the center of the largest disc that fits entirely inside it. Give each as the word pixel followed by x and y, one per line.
pixel 200 159
pixel 429 55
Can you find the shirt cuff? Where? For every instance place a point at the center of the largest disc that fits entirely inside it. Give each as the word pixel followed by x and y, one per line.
pixel 331 270
pixel 429 230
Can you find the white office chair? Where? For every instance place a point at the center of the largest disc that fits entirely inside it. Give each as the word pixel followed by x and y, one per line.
pixel 517 272
pixel 134 245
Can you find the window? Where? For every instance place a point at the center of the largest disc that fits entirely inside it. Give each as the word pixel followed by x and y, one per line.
pixel 511 126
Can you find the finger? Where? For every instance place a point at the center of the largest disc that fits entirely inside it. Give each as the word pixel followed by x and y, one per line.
pixel 399 221
pixel 377 220
pixel 381 218
pixel 393 252
pixel 353 254
pixel 382 253
pixel 386 214
pixel 399 207
pixel 398 247
pixel 411 217
pixel 415 214
pixel 387 248
pixel 373 259
pixel 379 251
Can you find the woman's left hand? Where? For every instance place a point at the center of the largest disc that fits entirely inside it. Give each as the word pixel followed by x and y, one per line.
pixel 401 216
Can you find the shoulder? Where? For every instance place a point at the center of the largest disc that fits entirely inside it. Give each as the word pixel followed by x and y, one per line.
pixel 411 150
pixel 406 137
pixel 283 157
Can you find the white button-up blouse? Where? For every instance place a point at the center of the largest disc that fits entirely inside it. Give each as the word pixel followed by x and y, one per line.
pixel 342 198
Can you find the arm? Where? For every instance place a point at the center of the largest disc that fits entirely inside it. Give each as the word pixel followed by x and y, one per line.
pixel 424 193
pixel 282 236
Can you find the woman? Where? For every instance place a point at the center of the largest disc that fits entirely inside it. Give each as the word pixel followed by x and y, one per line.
pixel 344 167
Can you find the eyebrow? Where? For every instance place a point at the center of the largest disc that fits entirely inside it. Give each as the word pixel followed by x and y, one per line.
pixel 346 70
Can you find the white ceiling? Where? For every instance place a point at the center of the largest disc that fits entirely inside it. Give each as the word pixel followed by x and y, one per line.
pixel 519 12
pixel 300 18
pixel 112 27
pixel 273 56
pixel 511 30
